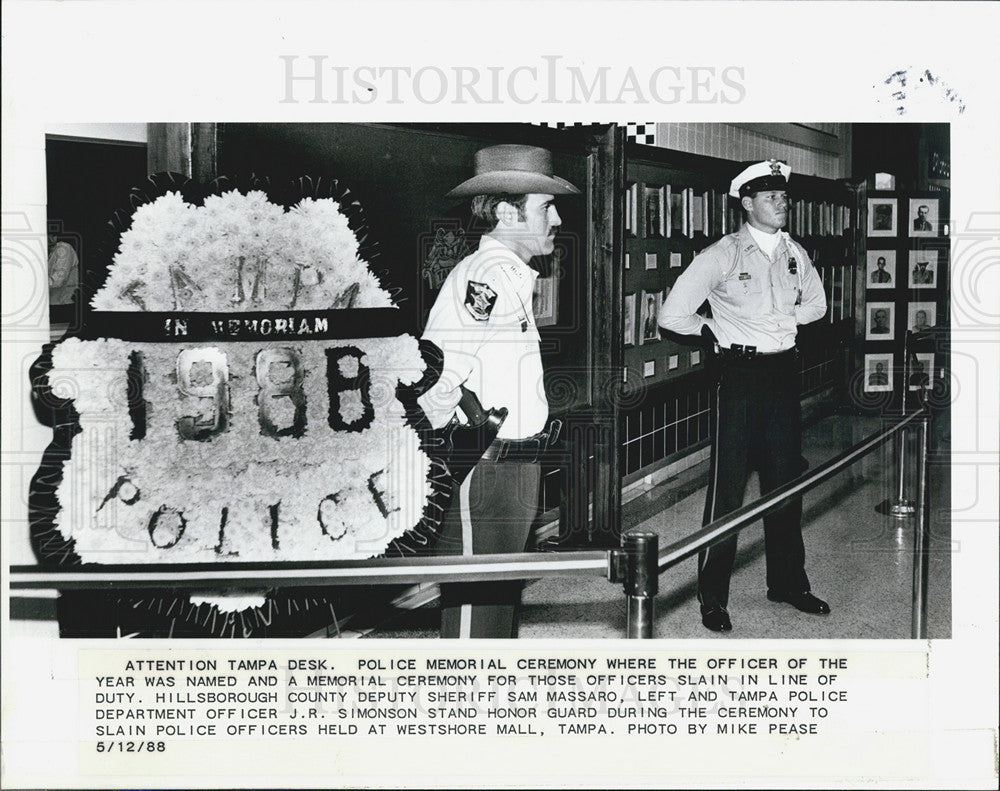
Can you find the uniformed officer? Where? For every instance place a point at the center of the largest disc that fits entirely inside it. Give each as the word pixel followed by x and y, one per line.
pixel 879 275
pixel 760 286
pixel 482 321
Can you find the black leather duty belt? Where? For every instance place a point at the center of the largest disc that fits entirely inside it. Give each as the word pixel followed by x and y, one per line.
pixel 523 450
pixel 737 352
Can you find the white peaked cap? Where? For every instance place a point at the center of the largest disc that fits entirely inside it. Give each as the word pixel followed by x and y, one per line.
pixel 771 173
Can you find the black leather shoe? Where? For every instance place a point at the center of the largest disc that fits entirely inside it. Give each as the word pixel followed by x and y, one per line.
pixel 805 602
pixel 716 619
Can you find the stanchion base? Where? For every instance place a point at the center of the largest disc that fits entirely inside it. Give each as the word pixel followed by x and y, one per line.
pixel 897 509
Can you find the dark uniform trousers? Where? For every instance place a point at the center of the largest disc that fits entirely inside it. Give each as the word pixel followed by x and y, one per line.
pixel 756 423
pixel 492 511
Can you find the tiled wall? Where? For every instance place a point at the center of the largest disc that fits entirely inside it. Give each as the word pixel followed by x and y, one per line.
pixel 733 142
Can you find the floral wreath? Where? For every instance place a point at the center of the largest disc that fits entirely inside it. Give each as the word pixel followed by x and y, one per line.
pixel 286 246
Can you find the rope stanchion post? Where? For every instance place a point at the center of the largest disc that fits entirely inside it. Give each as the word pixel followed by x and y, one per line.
pixel 641 582
pixel 921 536
pixel 902 508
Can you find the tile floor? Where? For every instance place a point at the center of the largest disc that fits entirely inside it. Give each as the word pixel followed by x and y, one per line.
pixel 859 560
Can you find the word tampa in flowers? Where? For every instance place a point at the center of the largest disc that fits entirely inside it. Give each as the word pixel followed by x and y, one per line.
pixel 239 252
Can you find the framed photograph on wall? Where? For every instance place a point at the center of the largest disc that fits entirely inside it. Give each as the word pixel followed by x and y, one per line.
pixel 679 212
pixel 921 316
pixel 689 201
pixel 544 301
pixel 923 269
pixel 628 319
pixel 878 373
pixel 648 309
pixel 880 322
pixel 653 204
pixel 880 271
pixel 882 219
pixel 923 217
pixel 631 210
pixel 699 216
pixel 921 374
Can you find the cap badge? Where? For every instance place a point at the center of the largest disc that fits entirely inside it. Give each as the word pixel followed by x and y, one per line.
pixel 775 167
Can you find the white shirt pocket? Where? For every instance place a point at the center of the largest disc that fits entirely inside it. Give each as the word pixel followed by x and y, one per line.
pixel 744 295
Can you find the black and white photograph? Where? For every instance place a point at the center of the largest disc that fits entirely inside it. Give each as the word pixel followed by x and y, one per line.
pixel 545 301
pixel 923 269
pixel 921 372
pixel 678 211
pixel 923 217
pixel 655 211
pixel 355 411
pixel 881 269
pixel 649 308
pixel 882 217
pixel 880 325
pixel 878 373
pixel 628 319
pixel 700 218
pixel 921 316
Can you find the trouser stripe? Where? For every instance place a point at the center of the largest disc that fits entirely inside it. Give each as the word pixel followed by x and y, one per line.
pixel 714 483
pixel 465 613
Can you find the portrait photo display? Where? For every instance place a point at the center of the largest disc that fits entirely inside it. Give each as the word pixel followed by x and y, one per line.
pixel 923 217
pixel 880 321
pixel 880 271
pixel 878 373
pixel 923 269
pixel 882 216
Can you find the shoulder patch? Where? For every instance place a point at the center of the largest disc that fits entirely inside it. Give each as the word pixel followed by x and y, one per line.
pixel 479 300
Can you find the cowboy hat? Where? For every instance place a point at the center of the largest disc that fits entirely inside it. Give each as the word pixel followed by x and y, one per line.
pixel 514 170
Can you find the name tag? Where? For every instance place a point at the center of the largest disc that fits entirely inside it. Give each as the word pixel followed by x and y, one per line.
pixel 744 275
